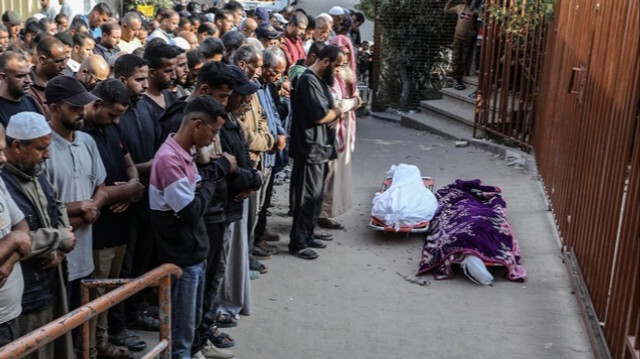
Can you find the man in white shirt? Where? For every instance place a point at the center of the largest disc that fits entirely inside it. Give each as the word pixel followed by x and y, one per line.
pixel 83 45
pixel 131 25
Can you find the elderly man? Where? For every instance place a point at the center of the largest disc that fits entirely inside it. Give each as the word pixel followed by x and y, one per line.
pixel 248 27
pixel 15 244
pixel 107 45
pixel 14 83
pixel 83 45
pixel 292 45
pixel 4 38
pixel 131 25
pixel 94 69
pixel 169 21
pixel 28 137
pixel 52 59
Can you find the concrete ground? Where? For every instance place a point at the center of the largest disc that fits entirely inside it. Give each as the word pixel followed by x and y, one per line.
pixel 353 302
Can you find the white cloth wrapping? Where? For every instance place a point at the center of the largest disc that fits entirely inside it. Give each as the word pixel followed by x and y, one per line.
pixel 407 202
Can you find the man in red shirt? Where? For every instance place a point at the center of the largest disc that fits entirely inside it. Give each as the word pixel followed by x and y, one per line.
pixel 293 45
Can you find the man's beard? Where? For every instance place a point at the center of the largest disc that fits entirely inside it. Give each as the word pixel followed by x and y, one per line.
pixel 346 74
pixel 72 126
pixel 328 75
pixel 35 170
pixel 15 91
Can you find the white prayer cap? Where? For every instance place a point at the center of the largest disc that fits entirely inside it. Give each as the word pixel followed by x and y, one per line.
pixel 181 43
pixel 27 126
pixel 336 10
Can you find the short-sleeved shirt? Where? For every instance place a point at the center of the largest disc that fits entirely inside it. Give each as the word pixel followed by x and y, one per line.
pixel 111 229
pixel 75 170
pixel 9 108
pixel 11 292
pixel 311 101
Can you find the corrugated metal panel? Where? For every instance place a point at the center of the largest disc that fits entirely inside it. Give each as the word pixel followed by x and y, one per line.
pixel 25 8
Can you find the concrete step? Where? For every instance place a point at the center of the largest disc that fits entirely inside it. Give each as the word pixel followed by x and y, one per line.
pixel 470 80
pixel 437 124
pixel 461 96
pixel 461 112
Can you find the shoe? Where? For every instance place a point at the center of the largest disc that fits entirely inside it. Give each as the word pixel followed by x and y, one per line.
pixel 254 274
pixel 127 338
pixel 270 236
pixel 109 351
pixel 314 243
pixel 271 249
pixel 260 253
pixel 329 224
pixel 145 322
pixel 254 264
pixel 322 235
pixel 210 351
pixel 306 253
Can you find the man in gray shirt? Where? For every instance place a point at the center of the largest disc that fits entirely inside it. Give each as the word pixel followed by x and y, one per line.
pixel 76 171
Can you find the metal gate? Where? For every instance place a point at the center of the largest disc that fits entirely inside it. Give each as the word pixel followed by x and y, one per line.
pixel 587 145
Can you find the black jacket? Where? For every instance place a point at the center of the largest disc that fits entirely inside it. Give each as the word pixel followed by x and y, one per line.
pixel 245 176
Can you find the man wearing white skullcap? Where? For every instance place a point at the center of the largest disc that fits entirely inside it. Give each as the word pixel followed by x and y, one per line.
pixel 28 137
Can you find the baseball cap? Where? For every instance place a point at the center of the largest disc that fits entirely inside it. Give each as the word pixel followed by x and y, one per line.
pixel 268 31
pixel 244 86
pixel 11 17
pixel 262 14
pixel 27 126
pixel 67 89
pixel 280 18
pixel 336 10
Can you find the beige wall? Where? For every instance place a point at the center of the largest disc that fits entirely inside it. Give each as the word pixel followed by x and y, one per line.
pixel 24 8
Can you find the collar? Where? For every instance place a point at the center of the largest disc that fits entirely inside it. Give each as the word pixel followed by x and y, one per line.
pixel 187 156
pixel 62 143
pixel 73 65
pixel 13 170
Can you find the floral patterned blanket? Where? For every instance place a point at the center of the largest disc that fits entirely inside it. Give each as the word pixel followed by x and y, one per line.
pixel 471 219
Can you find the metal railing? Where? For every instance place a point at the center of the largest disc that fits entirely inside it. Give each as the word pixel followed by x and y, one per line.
pixel 160 277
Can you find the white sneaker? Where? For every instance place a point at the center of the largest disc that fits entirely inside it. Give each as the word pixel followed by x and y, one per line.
pixel 198 355
pixel 210 351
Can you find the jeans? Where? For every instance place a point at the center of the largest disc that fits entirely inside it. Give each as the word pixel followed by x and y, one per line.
pixel 186 309
pixel 9 331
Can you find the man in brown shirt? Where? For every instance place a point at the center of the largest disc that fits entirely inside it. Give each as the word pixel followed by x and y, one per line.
pixel 462 40
pixel 52 59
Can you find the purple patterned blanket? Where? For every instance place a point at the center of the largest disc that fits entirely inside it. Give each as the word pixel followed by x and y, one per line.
pixel 471 219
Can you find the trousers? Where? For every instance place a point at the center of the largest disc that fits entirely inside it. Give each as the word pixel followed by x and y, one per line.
pixel 308 184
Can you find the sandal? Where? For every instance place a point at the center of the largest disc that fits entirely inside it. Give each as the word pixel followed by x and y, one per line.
pixel 129 339
pixel 306 253
pixel 145 322
pixel 256 265
pixel 228 321
pixel 323 235
pixel 459 86
pixel 329 224
pixel 221 340
pixel 109 351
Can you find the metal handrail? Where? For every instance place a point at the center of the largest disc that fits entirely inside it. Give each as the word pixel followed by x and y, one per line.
pixel 160 276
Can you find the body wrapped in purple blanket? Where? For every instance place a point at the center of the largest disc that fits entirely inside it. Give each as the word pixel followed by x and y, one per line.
pixel 471 219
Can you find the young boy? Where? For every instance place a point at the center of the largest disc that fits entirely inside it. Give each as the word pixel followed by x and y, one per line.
pixel 179 195
pixel 463 39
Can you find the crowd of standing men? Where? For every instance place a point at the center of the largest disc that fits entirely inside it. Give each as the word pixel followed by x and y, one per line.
pixel 128 142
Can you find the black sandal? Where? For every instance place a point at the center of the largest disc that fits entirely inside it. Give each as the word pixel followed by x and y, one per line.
pixel 306 253
pixel 221 340
pixel 227 321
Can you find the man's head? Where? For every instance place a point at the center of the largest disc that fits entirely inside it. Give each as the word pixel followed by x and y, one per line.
pixel 50 27
pixel 323 29
pixel 212 49
pixel 195 61
pixel 248 27
pixel 62 21
pixel 240 99
pixel 314 53
pixel 311 28
pixel 249 59
pixel 288 12
pixel 52 57
pixel 83 45
pixel 78 26
pixel 203 118
pixel 44 4
pixel 329 59
pixel 132 71
pixel 162 63
pixel 12 21
pixel 190 37
pixel 224 21
pixel 296 27
pixel 215 79
pixel 236 9
pixel 274 65
pixel 232 41
pixel 336 13
pixel 66 99
pixel 131 24
pixel 4 38
pixel 268 35
pixel 111 34
pixel 183 25
pixel 28 137
pixel 182 68
pixel 93 70
pixel 14 75
pixel 100 14
pixel 357 19
pixel 206 30
pixel 111 104
pixel 31 30
pixel 67 40
pixel 169 21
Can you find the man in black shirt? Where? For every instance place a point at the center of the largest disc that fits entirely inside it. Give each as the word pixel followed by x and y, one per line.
pixel 162 62
pixel 112 231
pixel 14 82
pixel 312 146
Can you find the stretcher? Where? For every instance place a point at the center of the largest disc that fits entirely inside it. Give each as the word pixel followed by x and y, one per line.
pixel 421 227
